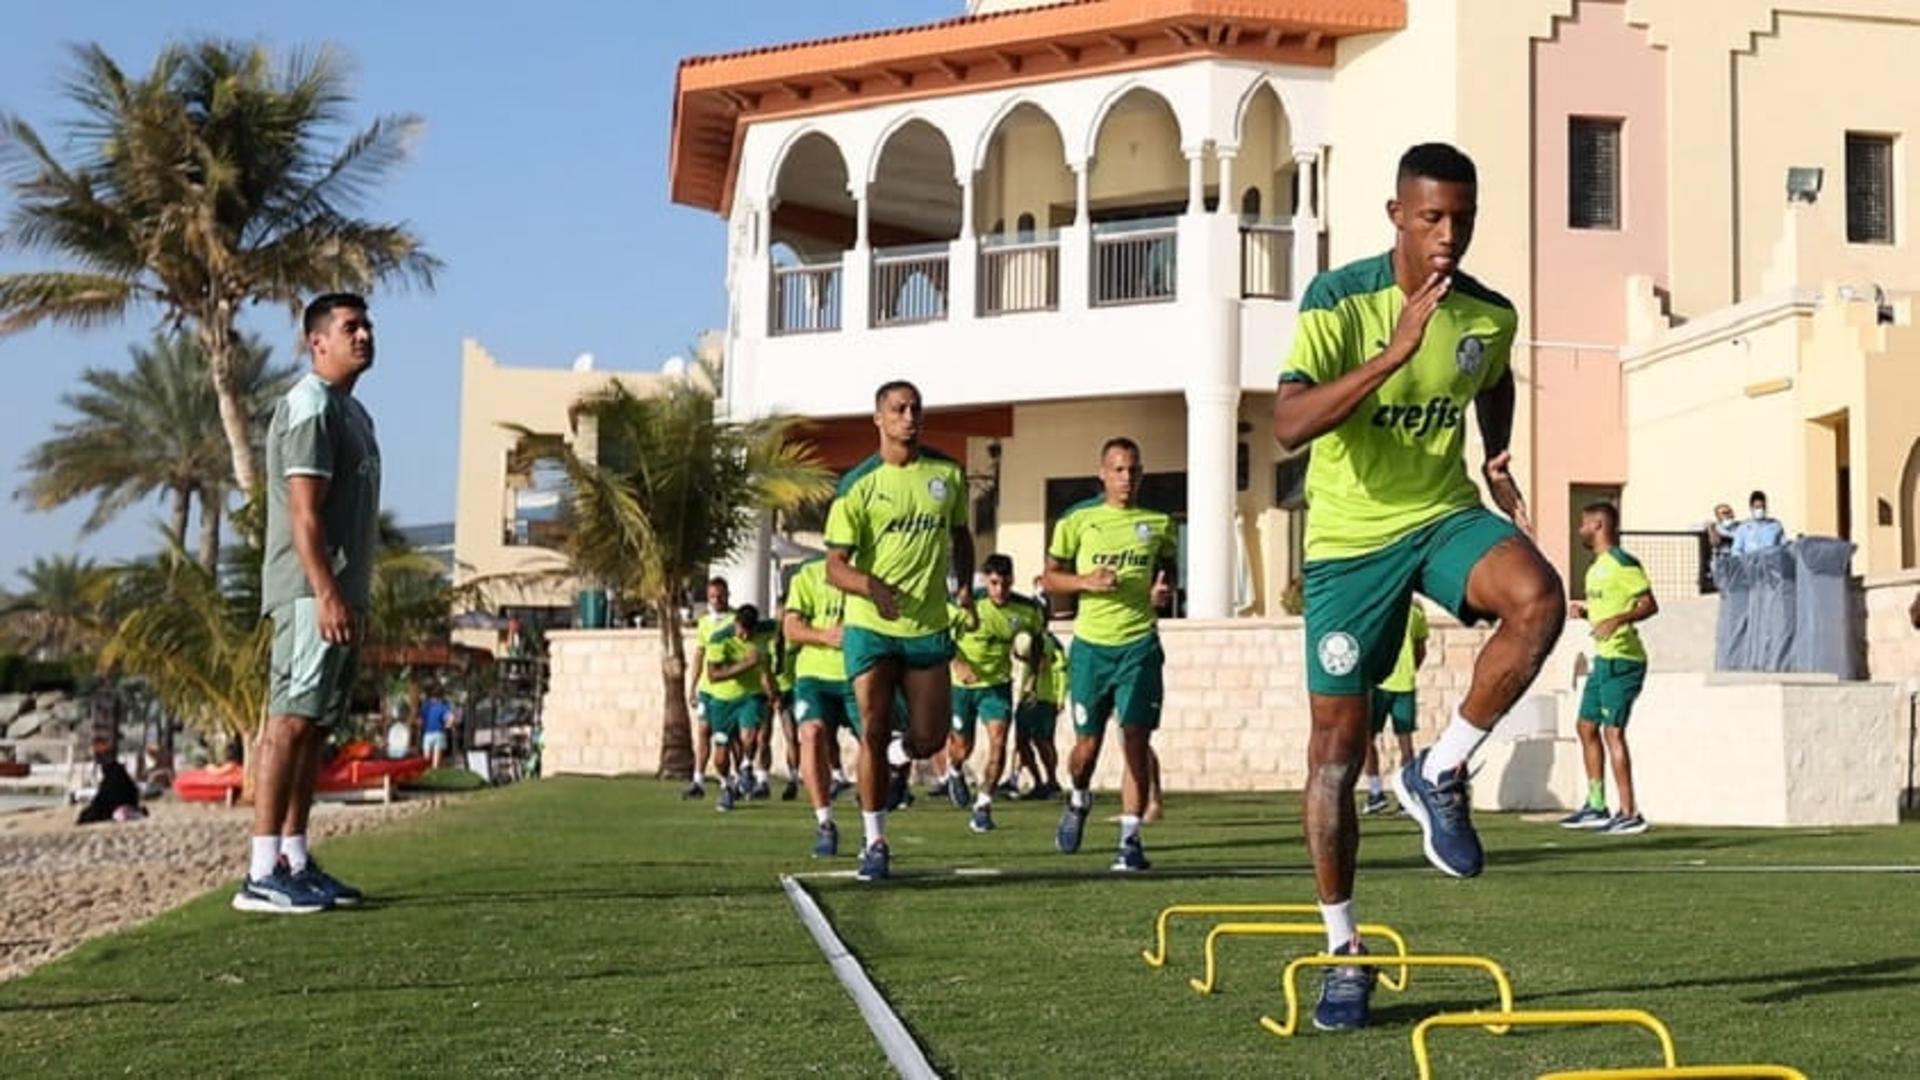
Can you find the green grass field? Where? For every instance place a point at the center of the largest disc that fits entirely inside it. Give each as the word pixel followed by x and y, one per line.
pixel 603 925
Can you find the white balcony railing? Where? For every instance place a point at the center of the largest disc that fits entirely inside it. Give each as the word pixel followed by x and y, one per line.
pixel 1135 262
pixel 1019 275
pixel 909 284
pixel 1266 261
pixel 806 299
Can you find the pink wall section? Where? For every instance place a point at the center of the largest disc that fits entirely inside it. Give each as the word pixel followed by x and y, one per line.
pixel 1595 65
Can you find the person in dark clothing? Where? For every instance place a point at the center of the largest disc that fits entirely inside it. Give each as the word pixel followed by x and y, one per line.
pixel 116 790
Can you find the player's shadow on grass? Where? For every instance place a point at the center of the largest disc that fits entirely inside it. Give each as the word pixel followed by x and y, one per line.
pixel 1887 973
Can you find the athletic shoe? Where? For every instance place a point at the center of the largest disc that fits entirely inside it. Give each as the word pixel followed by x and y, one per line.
pixel 837 789
pixel 791 791
pixel 726 798
pixel 762 791
pixel 1375 804
pixel 1007 790
pixel 1072 824
pixel 280 893
pixel 1132 857
pixel 694 791
pixel 982 820
pixel 960 792
pixel 1346 994
pixel 899 793
pixel 1587 817
pixel 874 863
pixel 1623 825
pixel 941 789
pixel 1446 825
pixel 341 893
pixel 826 841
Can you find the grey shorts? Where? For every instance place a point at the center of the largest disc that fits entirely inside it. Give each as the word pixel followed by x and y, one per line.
pixel 309 676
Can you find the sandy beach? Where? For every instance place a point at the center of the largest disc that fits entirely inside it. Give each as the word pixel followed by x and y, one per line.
pixel 61 884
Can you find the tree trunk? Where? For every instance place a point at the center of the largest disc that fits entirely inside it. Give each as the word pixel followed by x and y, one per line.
pixel 210 512
pixel 177 523
pixel 216 337
pixel 676 734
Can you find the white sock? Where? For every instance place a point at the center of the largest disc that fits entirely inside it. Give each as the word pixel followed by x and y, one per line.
pixel 1129 827
pixel 1339 920
pixel 897 753
pixel 264 853
pixel 1081 798
pixel 823 815
pixel 1456 744
pixel 874 822
pixel 982 800
pixel 295 849
pixel 1373 786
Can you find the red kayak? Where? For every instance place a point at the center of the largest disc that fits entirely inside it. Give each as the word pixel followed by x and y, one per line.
pixel 355 768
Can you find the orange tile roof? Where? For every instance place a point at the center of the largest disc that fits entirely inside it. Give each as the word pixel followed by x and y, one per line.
pixel 716 96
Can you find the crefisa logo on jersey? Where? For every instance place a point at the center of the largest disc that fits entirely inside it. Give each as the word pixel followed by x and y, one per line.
pixel 1470 354
pixel 937 488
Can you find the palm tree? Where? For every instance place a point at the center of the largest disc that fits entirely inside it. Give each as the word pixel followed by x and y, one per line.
pixel 202 187
pixel 62 611
pixel 154 429
pixel 668 490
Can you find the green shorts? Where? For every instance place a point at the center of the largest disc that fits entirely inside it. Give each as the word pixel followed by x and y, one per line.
pixel 729 718
pixel 864 648
pixel 1612 688
pixel 1116 679
pixel 308 676
pixel 703 707
pixel 1395 705
pixel 1037 719
pixel 971 704
pixel 1357 607
pixel 826 701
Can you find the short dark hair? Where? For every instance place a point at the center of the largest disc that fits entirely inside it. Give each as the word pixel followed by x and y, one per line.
pixel 1607 511
pixel 1757 496
pixel 1437 161
pixel 716 580
pixel 999 564
pixel 1119 442
pixel 321 308
pixel 888 387
pixel 746 615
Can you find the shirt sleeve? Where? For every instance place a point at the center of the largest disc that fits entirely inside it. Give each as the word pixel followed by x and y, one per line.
pixel 800 596
pixel 957 501
pixel 846 523
pixel 1499 359
pixel 1066 540
pixel 1169 548
pixel 1325 345
pixel 306 446
pixel 1633 580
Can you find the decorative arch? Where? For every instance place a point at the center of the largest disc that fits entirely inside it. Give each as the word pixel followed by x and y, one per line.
pixel 1114 98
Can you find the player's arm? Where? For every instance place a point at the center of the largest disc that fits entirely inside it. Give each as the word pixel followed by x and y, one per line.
pixel 721 671
pixel 1494 407
pixel 1304 411
pixel 699 665
pixel 306 494
pixel 963 563
pixel 1644 607
pixel 1062 581
pixel 799 632
pixel 1166 581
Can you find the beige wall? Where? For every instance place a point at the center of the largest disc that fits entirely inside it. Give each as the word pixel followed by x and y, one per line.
pixel 1025 173
pixel 1265 158
pixel 1137 156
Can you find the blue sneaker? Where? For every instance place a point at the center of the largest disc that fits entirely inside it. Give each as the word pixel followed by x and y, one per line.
pixel 1625 825
pixel 341 893
pixel 1072 824
pixel 826 841
pixel 726 798
pixel 1587 818
pixel 280 893
pixel 982 819
pixel 899 793
pixel 1346 994
pixel 1132 858
pixel 1376 804
pixel 959 791
pixel 839 788
pixel 874 863
pixel 1441 810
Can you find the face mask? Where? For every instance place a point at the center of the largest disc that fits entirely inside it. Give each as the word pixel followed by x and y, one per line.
pixel 1759 512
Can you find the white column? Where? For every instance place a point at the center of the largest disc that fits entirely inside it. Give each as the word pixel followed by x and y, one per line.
pixel 963 259
pixel 1212 433
pixel 1082 176
pixel 749 572
pixel 1076 263
pixel 1196 180
pixel 856 304
pixel 1229 205
pixel 1306 222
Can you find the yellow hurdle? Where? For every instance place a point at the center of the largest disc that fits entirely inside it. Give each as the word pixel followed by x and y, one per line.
pixel 1495 1024
pixel 1158 957
pixel 1684 1073
pixel 1243 929
pixel 1507 1018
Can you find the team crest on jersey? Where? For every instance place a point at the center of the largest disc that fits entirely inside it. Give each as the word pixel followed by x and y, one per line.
pixel 937 488
pixel 1470 354
pixel 1143 530
pixel 1339 653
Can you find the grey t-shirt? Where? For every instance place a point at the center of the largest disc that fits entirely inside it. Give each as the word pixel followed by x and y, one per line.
pixel 318 430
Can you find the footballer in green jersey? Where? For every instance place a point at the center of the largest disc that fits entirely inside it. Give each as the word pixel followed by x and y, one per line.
pixel 1619 595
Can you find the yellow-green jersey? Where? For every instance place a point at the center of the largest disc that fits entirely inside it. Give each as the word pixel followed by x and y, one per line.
pixel 1405 669
pixel 822 606
pixel 984 638
pixel 787 672
pixel 1399 461
pixel 897 522
pixel 1132 541
pixel 710 624
pixel 1050 685
pixel 1615 582
pixel 726 648
pixel 766 638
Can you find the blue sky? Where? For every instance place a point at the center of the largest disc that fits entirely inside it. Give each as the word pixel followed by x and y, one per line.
pixel 541 181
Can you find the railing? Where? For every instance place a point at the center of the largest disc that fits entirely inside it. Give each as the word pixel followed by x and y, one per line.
pixel 1266 261
pixel 909 284
pixel 1135 262
pixel 806 299
pixel 1677 563
pixel 1019 275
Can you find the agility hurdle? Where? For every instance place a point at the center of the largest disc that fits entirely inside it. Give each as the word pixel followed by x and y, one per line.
pixel 1157 957
pixel 1507 1018
pixel 1207 984
pixel 1684 1073
pixel 1494 1024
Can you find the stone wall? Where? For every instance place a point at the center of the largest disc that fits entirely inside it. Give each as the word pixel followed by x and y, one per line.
pixel 1893 645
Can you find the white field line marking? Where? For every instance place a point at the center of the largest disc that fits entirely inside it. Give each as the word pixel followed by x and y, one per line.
pixel 1302 871
pixel 888 1030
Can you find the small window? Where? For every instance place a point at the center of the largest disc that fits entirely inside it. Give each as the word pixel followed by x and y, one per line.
pixel 1025 225
pixel 1593 173
pixel 1250 204
pixel 1869 189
